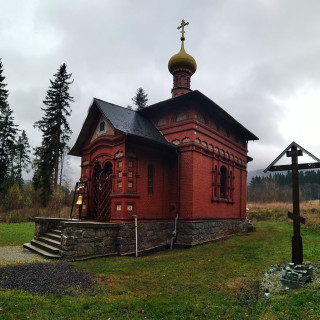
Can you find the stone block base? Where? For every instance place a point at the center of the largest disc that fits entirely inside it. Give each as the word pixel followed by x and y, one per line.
pixel 198 232
pixel 85 239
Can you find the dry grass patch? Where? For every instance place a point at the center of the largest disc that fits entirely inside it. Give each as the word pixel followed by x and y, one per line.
pixel 28 214
pixel 278 211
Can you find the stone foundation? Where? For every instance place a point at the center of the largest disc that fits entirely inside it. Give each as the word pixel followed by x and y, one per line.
pixel 87 239
pixel 84 239
pixel 194 233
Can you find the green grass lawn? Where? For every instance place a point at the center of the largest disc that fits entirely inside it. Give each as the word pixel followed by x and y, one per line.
pixel 219 280
pixel 15 234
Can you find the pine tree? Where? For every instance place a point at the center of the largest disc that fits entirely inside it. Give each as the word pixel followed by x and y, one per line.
pixel 22 157
pixel 55 129
pixel 8 132
pixel 140 99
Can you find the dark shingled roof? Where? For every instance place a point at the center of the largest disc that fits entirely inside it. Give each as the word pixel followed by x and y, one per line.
pixel 198 100
pixel 123 119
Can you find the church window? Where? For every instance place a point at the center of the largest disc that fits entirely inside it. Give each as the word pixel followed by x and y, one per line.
pixel 223 182
pixel 181 116
pixel 197 140
pixel 230 185
pixel 214 125
pixel 204 143
pixel 224 131
pixel 102 126
pixel 130 174
pixel 201 118
pixel 150 179
pixel 215 181
pixel 130 207
pixel 185 140
pixel 118 154
pixel 162 122
pixel 130 164
pixel 176 141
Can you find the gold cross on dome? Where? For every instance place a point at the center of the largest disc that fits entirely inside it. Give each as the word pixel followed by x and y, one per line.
pixel 183 24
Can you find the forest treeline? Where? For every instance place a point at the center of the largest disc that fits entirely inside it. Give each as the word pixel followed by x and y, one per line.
pixel 278 187
pixel 49 186
pixel 47 160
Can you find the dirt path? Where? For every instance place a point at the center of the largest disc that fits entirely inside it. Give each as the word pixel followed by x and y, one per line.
pixel 17 254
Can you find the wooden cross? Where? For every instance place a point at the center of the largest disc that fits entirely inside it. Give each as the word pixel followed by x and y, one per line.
pixel 293 152
pixel 183 24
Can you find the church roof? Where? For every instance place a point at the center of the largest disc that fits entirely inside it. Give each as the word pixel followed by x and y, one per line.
pixel 123 119
pixel 198 100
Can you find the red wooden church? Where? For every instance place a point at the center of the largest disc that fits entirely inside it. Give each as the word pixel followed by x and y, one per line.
pixel 179 165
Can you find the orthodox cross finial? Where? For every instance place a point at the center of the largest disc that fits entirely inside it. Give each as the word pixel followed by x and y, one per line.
pixel 183 24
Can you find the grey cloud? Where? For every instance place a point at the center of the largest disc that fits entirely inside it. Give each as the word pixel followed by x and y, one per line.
pixel 251 55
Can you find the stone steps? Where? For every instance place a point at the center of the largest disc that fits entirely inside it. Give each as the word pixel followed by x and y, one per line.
pixel 50 242
pixel 44 253
pixel 49 245
pixel 55 237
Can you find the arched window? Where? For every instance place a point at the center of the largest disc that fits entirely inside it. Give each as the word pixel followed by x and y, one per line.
pixel 216 181
pixel 176 141
pixel 150 179
pixel 223 182
pixel 201 118
pixel 181 116
pixel 102 126
pixel 162 122
pixel 230 185
pixel 214 125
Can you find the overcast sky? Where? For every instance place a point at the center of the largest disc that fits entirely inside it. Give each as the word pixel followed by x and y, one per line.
pixel 259 60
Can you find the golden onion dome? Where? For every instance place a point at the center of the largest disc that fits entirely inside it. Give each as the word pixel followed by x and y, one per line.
pixel 182 61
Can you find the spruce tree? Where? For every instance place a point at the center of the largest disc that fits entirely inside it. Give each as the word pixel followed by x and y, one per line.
pixel 140 99
pixel 8 132
pixel 22 157
pixel 55 129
